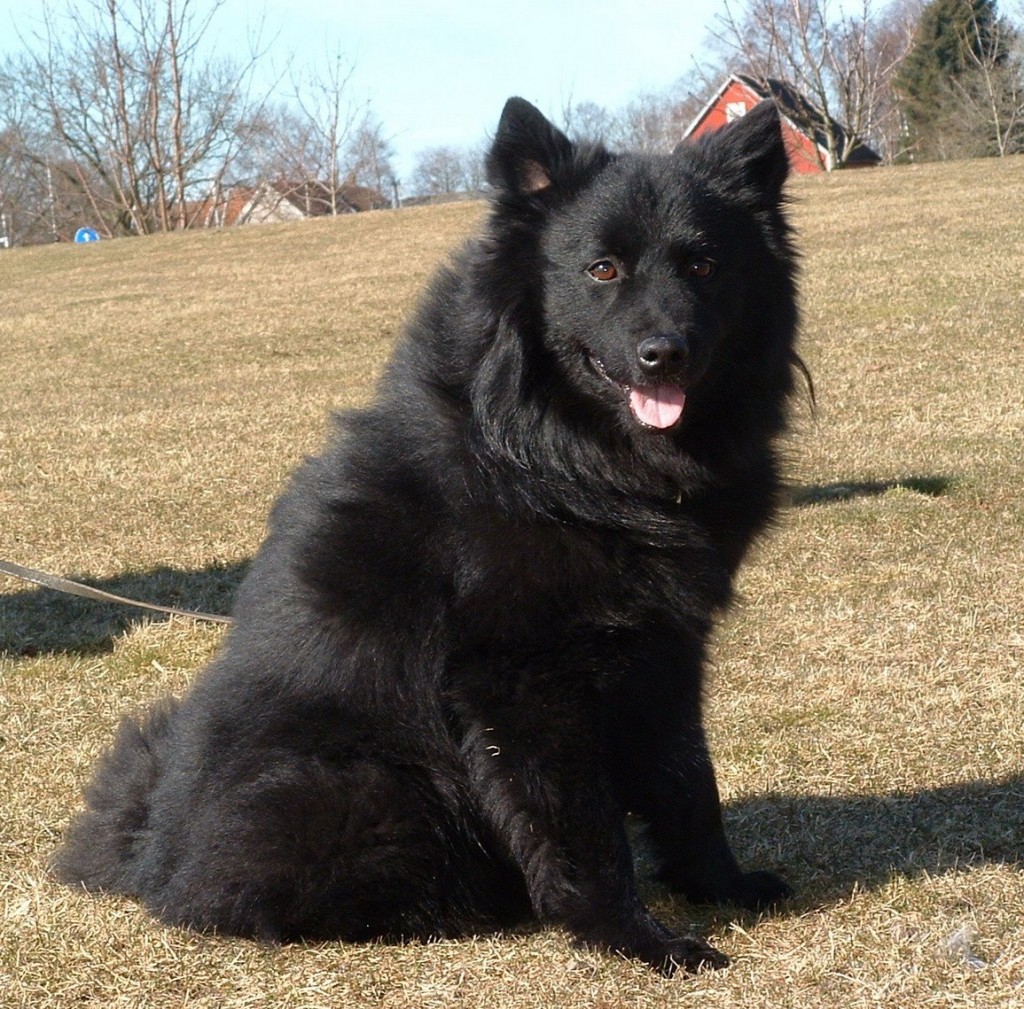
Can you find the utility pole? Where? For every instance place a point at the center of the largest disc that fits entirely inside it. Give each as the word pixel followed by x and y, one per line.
pixel 53 210
pixel 5 233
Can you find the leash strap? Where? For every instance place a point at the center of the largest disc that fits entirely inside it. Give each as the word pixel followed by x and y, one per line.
pixel 88 592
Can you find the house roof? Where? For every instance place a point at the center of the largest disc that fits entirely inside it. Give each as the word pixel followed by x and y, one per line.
pixel 802 114
pixel 278 201
pixel 225 209
pixel 314 199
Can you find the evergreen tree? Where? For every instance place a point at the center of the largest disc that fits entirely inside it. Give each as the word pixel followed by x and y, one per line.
pixel 953 37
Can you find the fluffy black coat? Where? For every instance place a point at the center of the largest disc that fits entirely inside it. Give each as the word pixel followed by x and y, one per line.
pixel 474 637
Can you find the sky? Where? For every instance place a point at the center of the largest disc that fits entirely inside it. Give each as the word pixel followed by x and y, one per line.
pixel 438 72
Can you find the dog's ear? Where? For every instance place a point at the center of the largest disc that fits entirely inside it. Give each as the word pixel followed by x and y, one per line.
pixel 528 154
pixel 749 156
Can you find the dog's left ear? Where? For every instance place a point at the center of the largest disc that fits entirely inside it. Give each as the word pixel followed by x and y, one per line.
pixel 528 154
pixel 750 156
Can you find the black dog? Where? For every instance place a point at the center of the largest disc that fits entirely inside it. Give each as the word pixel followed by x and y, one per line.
pixel 474 637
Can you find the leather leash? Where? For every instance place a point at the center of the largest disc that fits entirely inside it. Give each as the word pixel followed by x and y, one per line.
pixel 88 592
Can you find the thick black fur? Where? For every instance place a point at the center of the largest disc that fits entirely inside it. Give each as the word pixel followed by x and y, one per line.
pixel 474 637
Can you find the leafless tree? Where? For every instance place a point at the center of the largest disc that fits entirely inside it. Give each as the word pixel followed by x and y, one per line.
pixel 440 171
pixel 141 118
pixel 588 121
pixel 888 38
pixel 370 157
pixel 22 187
pixel 327 118
pixel 652 121
pixel 836 55
pixel 655 121
pixel 475 164
pixel 989 95
pixel 867 48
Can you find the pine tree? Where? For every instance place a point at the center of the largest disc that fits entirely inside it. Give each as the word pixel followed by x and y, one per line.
pixel 952 37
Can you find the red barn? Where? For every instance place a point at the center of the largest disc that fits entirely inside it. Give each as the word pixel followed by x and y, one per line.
pixel 803 124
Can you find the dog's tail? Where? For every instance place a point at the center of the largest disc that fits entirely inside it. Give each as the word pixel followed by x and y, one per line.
pixel 104 843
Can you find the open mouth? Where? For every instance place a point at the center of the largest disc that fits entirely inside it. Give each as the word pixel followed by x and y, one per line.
pixel 658 406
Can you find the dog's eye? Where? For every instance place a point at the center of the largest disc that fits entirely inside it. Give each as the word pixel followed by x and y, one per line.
pixel 603 270
pixel 701 269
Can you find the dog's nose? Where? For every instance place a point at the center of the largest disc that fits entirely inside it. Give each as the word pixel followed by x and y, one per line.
pixel 662 355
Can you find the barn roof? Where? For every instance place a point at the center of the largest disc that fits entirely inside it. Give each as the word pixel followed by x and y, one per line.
pixel 802 113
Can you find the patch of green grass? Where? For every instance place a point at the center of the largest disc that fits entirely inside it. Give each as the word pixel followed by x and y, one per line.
pixel 866 707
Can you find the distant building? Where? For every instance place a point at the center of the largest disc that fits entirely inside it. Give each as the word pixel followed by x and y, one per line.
pixel 803 123
pixel 272 202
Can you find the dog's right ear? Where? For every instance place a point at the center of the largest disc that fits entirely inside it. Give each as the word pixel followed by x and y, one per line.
pixel 750 156
pixel 528 154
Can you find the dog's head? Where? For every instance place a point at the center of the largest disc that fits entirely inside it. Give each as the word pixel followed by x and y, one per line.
pixel 657 278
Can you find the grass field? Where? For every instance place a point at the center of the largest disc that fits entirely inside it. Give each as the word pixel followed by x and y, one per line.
pixel 867 706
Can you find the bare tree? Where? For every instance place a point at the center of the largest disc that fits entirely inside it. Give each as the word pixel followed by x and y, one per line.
pixel 867 49
pixel 655 121
pixel 42 196
pixel 370 157
pixel 833 54
pixel 440 171
pixel 990 93
pixel 652 121
pixel 328 117
pixel 588 121
pixel 475 166
pixel 141 119
pixel 23 202
pixel 887 41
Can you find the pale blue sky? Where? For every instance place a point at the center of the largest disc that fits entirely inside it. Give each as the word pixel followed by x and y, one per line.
pixel 438 72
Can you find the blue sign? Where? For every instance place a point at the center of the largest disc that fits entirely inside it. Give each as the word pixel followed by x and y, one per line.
pixel 86 235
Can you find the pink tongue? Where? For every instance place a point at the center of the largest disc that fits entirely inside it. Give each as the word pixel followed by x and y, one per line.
pixel 660 406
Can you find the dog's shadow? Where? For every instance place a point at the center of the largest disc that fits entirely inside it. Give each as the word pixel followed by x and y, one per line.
pixel 841 491
pixel 828 847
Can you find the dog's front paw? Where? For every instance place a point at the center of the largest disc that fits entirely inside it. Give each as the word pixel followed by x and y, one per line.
pixel 688 953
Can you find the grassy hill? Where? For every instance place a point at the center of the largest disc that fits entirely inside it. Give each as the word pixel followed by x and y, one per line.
pixel 867 706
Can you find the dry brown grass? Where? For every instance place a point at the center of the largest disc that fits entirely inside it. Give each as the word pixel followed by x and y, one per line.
pixel 868 716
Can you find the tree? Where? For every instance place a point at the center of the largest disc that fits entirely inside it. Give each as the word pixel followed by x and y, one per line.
pixel 442 171
pixel 588 121
pixel 990 93
pixel 370 158
pixel 135 119
pixel 317 141
pixel 23 197
pixel 887 40
pixel 326 121
pixel 843 59
pixel 960 86
pixel 653 121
